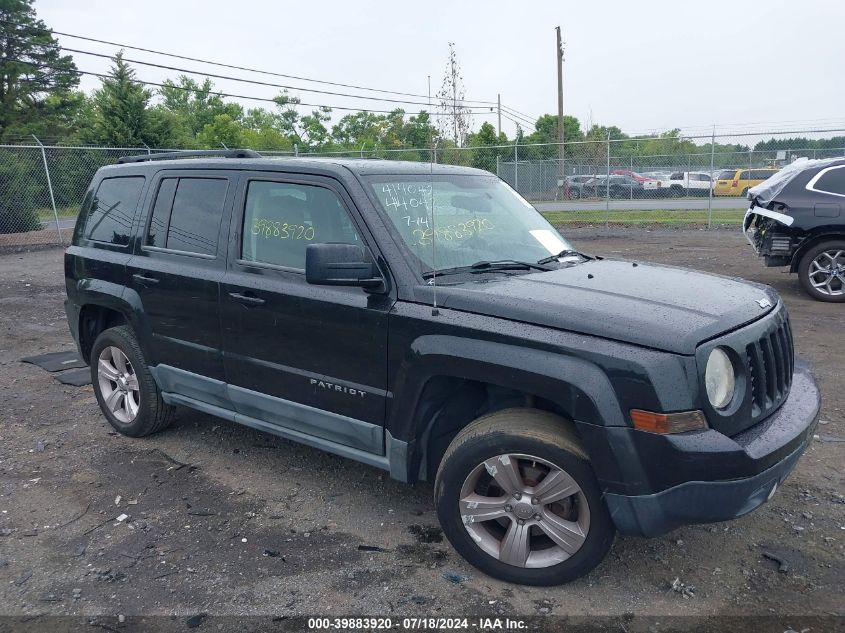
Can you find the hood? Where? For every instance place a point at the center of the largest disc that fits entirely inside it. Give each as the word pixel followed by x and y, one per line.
pixel 662 307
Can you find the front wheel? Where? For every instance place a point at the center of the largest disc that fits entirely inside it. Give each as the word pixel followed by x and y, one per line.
pixel 821 271
pixel 517 498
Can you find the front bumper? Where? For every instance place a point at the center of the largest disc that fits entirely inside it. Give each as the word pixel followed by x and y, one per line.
pixel 664 481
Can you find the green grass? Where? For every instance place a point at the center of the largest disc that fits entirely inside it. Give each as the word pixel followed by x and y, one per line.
pixel 663 217
pixel 46 214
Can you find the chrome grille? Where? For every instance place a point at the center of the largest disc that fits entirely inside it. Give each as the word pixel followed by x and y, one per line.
pixel 770 363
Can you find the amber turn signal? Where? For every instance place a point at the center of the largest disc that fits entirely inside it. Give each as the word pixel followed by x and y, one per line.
pixel 668 422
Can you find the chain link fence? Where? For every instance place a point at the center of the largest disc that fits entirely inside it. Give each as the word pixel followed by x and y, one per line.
pixel 664 181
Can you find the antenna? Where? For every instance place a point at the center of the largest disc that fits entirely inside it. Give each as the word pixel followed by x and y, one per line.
pixel 433 144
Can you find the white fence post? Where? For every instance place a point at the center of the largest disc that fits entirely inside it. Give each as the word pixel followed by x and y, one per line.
pixel 607 186
pixel 50 187
pixel 712 182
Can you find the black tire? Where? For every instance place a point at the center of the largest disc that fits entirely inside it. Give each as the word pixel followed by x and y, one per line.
pixel 527 432
pixel 804 270
pixel 153 413
pixel 744 193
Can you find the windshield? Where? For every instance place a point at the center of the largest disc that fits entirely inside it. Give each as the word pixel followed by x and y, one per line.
pixel 477 218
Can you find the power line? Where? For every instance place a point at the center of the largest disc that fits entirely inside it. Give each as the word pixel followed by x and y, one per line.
pixel 238 79
pixel 517 112
pixel 238 96
pixel 523 120
pixel 248 81
pixel 232 66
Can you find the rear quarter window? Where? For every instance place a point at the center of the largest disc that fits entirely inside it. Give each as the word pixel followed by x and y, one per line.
pixel 832 181
pixel 111 211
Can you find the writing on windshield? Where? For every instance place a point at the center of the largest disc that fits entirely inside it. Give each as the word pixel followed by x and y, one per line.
pixel 466 218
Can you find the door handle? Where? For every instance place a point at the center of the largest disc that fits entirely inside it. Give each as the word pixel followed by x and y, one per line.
pixel 246 299
pixel 143 279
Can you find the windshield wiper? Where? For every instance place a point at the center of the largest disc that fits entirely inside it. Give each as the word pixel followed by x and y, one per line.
pixel 564 253
pixel 507 264
pixel 485 266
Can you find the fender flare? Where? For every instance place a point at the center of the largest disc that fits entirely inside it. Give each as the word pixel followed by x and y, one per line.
pixel 819 235
pixel 580 388
pixel 105 294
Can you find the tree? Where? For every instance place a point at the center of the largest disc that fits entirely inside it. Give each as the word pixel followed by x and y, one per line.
pixel 546 130
pixel 456 120
pixel 121 116
pixel 36 80
pixel 261 131
pixel 195 105
pixel 305 132
pixel 222 131
pixel 484 156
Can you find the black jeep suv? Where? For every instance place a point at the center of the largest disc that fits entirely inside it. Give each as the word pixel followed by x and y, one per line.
pixel 797 219
pixel 426 320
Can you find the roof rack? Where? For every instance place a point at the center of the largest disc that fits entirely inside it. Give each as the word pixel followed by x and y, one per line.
pixel 206 153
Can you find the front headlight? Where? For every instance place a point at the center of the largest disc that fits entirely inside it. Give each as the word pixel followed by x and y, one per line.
pixel 719 379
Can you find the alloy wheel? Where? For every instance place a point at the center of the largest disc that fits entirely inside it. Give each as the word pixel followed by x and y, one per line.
pixel 118 384
pixel 827 272
pixel 524 511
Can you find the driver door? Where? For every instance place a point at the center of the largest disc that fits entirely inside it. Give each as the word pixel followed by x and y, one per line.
pixel 308 358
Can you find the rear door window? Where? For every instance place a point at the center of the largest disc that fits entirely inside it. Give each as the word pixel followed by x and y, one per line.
pixel 111 211
pixel 186 215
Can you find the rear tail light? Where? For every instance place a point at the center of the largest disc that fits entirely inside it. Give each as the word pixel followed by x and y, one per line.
pixel 734 184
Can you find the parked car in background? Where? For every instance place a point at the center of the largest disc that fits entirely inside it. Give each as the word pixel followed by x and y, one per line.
pixel 651 187
pixel 574 186
pixel 797 219
pixel 657 175
pixel 690 183
pixel 618 186
pixel 737 182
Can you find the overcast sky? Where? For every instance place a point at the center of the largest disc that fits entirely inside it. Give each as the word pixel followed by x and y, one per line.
pixel 643 66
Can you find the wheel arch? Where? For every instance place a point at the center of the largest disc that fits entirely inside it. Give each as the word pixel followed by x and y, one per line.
pixel 828 233
pixel 94 319
pixel 453 381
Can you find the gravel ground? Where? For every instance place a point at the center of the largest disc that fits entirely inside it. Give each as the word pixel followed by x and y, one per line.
pixel 226 520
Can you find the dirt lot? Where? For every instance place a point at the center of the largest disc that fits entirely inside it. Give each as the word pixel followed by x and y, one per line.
pixel 229 521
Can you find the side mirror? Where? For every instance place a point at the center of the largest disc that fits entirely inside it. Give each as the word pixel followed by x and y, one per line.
pixel 332 264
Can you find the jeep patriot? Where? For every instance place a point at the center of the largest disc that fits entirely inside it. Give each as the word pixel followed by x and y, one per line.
pixel 428 321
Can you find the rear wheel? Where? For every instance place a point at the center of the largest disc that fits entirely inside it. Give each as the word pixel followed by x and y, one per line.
pixel 124 386
pixel 821 271
pixel 517 498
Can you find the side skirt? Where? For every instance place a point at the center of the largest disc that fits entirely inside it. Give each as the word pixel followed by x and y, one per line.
pixel 395 462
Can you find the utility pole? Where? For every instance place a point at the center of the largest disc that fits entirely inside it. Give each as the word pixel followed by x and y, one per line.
pixel 560 139
pixel 499 131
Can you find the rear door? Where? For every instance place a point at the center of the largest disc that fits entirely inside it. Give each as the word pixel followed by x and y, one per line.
pixel 175 275
pixel 308 358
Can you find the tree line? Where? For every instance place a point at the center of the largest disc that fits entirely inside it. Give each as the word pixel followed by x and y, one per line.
pixel 40 96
